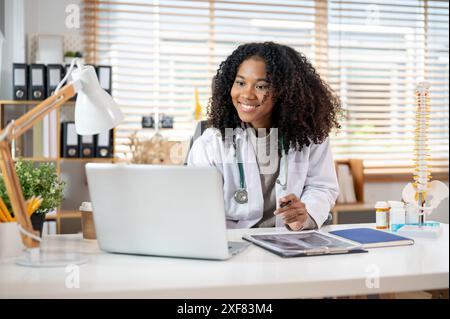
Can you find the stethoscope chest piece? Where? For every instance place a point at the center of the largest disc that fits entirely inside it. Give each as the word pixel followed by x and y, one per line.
pixel 241 196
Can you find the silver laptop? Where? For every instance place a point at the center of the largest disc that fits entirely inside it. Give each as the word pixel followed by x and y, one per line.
pixel 175 211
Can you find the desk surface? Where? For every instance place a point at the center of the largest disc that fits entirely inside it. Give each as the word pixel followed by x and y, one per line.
pixel 254 273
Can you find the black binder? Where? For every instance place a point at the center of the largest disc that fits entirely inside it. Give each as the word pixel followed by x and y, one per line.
pixel 69 140
pixel 104 74
pixel 66 69
pixel 37 82
pixel 20 81
pixel 55 73
pixel 87 146
pixel 104 144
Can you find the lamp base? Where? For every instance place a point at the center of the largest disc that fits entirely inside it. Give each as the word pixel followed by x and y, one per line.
pixel 34 257
pixel 426 230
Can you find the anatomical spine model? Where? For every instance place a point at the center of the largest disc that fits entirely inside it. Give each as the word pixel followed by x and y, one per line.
pixel 423 193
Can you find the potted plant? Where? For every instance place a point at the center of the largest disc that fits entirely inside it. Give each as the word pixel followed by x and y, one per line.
pixel 70 55
pixel 37 180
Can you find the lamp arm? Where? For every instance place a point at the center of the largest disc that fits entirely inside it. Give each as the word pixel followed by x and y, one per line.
pixel 26 121
pixel 15 193
pixel 13 131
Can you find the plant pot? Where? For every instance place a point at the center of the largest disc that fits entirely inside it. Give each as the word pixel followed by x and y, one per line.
pixel 68 60
pixel 37 220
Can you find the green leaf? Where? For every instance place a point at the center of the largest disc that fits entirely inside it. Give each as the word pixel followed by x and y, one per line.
pixel 42 180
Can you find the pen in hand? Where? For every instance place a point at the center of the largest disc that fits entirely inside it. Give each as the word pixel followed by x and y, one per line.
pixel 285 204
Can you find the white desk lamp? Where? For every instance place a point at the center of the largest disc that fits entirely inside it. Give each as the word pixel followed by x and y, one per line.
pixel 95 112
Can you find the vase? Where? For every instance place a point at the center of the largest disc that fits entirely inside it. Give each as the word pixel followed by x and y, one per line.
pixel 37 220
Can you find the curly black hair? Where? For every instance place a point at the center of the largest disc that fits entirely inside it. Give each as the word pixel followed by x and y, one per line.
pixel 305 107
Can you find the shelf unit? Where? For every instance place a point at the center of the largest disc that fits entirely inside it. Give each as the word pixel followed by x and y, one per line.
pixel 58 160
pixel 357 171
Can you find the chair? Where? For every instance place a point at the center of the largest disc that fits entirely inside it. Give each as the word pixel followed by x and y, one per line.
pixel 199 129
pixel 356 167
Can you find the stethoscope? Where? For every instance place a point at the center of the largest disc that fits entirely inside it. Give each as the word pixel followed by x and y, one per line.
pixel 241 194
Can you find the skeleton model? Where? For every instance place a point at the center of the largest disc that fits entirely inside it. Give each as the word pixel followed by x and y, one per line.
pixel 423 193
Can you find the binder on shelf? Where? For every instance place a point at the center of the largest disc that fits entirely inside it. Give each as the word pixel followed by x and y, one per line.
pixel 37 82
pixel 49 135
pixel 69 140
pixel 55 73
pixel 20 81
pixel 66 69
pixel 104 77
pixel 87 146
pixel 38 150
pixel 104 145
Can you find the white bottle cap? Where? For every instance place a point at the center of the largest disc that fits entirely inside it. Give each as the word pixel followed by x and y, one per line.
pixel 381 204
pixel 396 204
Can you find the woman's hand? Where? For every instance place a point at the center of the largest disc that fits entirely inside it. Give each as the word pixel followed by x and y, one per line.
pixel 292 211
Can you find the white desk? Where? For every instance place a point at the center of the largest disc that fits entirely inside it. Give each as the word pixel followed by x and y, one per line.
pixel 254 273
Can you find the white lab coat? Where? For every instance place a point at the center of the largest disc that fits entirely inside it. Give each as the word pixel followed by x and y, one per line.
pixel 311 177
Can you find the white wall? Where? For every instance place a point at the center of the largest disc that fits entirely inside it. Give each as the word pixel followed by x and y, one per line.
pixel 28 16
pixel 48 16
pixel 2 17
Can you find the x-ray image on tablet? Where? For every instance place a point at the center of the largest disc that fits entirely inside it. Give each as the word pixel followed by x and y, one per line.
pixel 303 243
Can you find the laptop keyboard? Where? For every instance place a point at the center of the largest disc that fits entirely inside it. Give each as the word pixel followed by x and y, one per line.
pixel 235 247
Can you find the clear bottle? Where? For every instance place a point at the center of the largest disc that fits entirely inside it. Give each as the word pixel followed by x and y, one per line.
pixel 382 215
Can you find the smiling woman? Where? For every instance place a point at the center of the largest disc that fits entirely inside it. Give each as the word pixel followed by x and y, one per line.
pixel 280 112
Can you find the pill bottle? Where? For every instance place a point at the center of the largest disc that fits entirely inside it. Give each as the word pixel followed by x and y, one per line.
pixel 382 215
pixel 397 215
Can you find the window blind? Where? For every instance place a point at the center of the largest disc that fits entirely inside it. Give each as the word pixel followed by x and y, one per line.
pixel 373 53
pixel 378 52
pixel 161 51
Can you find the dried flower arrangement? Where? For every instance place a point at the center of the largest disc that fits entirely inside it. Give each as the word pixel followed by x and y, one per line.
pixel 155 150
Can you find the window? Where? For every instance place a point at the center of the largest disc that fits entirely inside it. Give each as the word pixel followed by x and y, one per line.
pixel 373 53
pixel 378 52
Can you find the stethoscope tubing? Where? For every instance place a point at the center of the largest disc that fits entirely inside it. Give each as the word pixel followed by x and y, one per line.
pixel 241 195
